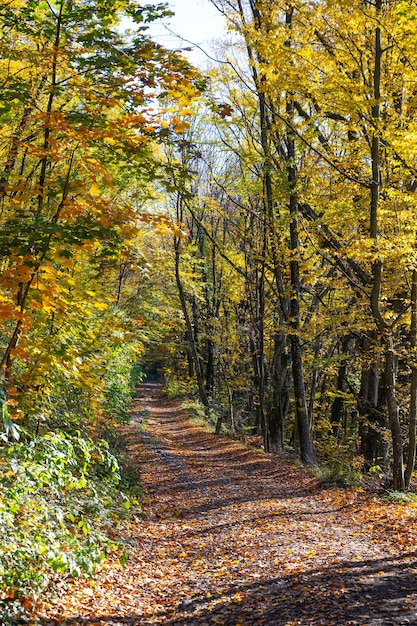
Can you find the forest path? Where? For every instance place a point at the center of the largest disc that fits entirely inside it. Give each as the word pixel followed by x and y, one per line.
pixel 232 536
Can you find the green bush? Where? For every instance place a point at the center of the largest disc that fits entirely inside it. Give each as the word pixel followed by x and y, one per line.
pixel 339 462
pixel 58 497
pixel 179 388
pixel 120 381
pixel 401 497
pixel 339 474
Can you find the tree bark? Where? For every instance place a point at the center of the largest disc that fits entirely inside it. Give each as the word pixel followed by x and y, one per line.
pixel 338 411
pixel 377 270
pixel 411 456
pixel 307 453
pixel 281 385
pixel 393 417
pixel 187 318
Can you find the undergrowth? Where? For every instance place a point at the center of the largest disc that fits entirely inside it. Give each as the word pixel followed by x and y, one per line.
pixel 197 414
pixel 401 497
pixel 62 493
pixel 179 388
pixel 59 495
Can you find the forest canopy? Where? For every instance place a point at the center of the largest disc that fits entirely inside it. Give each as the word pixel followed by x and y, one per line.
pixel 248 234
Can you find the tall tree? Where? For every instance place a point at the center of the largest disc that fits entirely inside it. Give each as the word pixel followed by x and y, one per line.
pixel 334 83
pixel 79 147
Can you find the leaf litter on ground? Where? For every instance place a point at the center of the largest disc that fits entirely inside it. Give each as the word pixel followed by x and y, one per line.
pixel 228 535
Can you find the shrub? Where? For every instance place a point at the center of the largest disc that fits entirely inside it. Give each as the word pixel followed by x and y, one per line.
pixel 179 388
pixel 120 380
pixel 58 496
pixel 401 497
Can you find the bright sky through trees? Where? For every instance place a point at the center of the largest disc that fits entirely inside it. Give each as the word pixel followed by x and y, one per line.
pixel 195 21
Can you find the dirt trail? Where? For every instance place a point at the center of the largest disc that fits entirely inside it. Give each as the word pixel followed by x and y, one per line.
pixel 235 537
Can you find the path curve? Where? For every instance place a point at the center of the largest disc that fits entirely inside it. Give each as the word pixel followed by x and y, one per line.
pixel 232 536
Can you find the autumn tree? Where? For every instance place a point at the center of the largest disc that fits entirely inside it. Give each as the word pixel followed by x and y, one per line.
pixel 334 85
pixel 79 137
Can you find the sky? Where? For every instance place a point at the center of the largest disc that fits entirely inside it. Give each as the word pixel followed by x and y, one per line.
pixel 197 21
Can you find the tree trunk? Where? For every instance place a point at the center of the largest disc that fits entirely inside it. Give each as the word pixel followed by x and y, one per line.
pixel 338 412
pixel 280 391
pixel 189 327
pixel 411 457
pixel 210 367
pixel 377 268
pixel 368 402
pixel 393 417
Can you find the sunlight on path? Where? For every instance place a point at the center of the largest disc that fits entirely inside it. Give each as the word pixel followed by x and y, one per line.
pixel 231 536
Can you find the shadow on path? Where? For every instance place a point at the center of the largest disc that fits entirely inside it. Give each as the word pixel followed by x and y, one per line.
pixel 234 537
pixel 376 592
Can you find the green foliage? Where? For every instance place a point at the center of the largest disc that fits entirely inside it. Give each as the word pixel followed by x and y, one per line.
pixel 341 464
pixel 376 471
pixel 121 379
pixel 10 429
pixel 58 496
pixel 194 408
pixel 402 497
pixel 339 473
pixel 179 387
pixel 198 414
